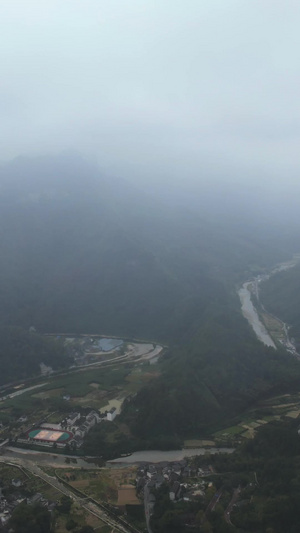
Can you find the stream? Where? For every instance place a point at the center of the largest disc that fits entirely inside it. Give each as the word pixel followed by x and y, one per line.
pixel 251 315
pixel 157 456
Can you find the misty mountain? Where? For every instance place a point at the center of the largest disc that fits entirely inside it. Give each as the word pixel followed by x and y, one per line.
pixel 83 253
pixel 86 254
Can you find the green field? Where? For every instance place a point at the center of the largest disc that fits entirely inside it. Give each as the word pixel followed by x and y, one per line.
pixel 233 430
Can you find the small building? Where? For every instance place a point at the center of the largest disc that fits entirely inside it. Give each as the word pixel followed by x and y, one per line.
pixel 85 427
pixel 93 418
pixel 49 425
pixel 46 370
pixel 175 491
pixel 141 482
pixel 72 418
pixel 76 442
pixel 38 497
pixel 90 421
pixel 81 431
pixel 159 480
pixel 17 482
pixel 111 415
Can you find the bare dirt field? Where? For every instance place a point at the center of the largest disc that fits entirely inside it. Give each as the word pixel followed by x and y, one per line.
pixel 94 399
pixel 127 495
pixel 193 443
pixel 123 476
pixel 80 483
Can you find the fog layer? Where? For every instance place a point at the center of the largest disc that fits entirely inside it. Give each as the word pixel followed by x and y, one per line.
pixel 170 92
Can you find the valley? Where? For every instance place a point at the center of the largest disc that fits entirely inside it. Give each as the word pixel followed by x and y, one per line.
pixel 269 329
pixel 152 415
pixel 99 380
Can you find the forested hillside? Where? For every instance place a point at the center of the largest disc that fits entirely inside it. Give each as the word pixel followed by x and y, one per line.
pixel 281 296
pixel 22 352
pixel 217 374
pixel 82 253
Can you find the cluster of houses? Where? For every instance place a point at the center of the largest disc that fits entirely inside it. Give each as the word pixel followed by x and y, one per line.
pixel 80 425
pixel 14 495
pixel 183 481
pixel 75 423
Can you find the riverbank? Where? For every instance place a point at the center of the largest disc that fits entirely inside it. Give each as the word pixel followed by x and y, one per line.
pixel 157 456
pixel 251 314
pixel 49 459
pixel 147 456
pixel 268 328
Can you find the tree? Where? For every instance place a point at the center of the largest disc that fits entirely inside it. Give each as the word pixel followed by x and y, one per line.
pixel 65 505
pixel 71 524
pixel 30 519
pixel 86 529
pixel 199 517
pixel 207 527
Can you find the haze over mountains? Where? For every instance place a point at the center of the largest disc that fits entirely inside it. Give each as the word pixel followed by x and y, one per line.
pixel 82 253
pixel 149 166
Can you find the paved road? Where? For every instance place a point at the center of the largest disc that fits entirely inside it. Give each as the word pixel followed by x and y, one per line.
pixel 148 507
pixel 142 350
pixel 22 391
pixel 234 499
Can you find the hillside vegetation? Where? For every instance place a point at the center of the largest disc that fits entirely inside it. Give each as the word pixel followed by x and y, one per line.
pixel 220 372
pixel 22 352
pixel 84 254
pixel 281 296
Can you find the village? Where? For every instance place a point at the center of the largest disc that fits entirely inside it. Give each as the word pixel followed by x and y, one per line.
pixel 15 495
pixel 18 488
pixel 183 480
pixel 68 434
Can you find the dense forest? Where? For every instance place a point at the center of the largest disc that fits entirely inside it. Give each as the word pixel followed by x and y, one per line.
pixel 22 352
pixel 218 374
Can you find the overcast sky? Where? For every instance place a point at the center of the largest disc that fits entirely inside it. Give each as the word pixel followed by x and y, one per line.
pixel 155 88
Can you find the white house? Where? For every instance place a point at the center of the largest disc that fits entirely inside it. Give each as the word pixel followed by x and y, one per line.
pixel 111 415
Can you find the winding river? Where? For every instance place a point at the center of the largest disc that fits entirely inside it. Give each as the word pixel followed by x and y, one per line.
pixel 251 315
pixel 157 456
pixel 250 312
